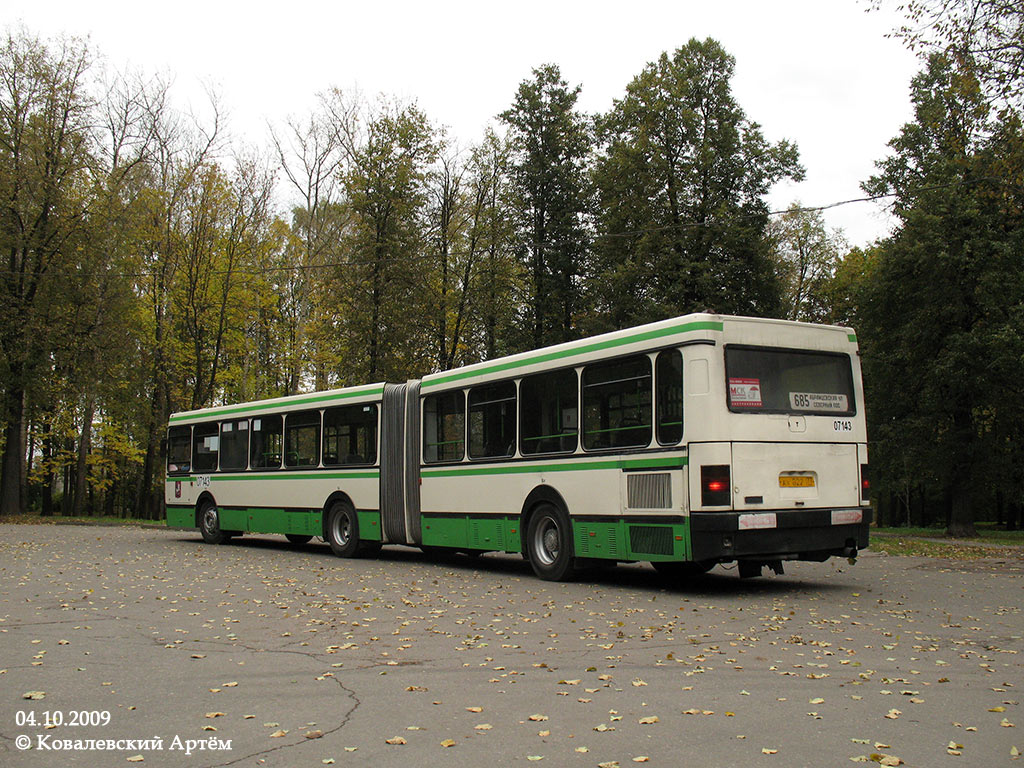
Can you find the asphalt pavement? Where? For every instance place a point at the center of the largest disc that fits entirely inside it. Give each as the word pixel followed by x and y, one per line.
pixel 123 645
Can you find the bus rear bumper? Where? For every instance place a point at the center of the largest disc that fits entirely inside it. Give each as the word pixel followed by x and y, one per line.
pixel 785 534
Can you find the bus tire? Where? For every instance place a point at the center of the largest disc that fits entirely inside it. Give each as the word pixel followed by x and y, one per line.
pixel 209 523
pixel 343 530
pixel 298 538
pixel 549 543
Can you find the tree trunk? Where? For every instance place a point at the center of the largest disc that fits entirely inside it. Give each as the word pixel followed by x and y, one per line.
pixel 82 465
pixel 12 468
pixel 961 521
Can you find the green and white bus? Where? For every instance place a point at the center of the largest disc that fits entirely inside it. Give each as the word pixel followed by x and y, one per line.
pixel 693 441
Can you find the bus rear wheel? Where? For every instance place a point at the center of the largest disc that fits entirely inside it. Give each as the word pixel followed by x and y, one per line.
pixel 549 543
pixel 209 524
pixel 343 530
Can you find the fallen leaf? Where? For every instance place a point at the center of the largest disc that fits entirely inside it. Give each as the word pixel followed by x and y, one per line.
pixel 766 751
pixel 483 727
pixel 34 695
pixel 314 734
pixel 648 720
pixel 395 740
pixel 135 759
pixel 278 734
pixel 212 715
pixel 448 743
pixel 538 718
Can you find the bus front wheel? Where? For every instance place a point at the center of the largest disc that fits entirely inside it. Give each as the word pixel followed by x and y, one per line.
pixel 209 524
pixel 343 530
pixel 549 543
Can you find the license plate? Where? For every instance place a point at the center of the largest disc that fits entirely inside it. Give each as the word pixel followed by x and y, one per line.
pixel 796 481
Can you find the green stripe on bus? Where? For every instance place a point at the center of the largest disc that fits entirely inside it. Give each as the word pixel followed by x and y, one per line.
pixel 702 325
pixel 285 475
pixel 269 406
pixel 569 466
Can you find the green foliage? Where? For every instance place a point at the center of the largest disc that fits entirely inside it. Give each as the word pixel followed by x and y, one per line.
pixel 682 181
pixel 550 199
pixel 149 271
pixel 807 261
pixel 941 323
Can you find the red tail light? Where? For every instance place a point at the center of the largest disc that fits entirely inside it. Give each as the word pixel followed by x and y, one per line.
pixel 865 483
pixel 714 485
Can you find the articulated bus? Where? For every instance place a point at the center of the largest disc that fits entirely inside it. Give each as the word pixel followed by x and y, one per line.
pixel 685 443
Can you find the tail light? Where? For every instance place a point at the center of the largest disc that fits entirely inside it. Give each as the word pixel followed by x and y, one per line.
pixel 865 483
pixel 714 485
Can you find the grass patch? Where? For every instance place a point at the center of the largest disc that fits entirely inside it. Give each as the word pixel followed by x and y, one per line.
pixel 35 519
pixel 936 547
pixel 988 533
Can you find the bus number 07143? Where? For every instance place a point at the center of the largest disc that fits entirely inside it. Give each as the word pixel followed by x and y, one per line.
pixel 842 425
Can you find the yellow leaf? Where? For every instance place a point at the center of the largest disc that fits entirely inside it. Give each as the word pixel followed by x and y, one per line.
pixel 395 740
pixel 212 715
pixel 538 718
pixel 648 720
pixel 448 743
pixel 278 734
pixel 998 709
pixel 766 751
pixel 135 759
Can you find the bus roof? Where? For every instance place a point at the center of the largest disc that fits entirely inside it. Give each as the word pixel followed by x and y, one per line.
pixel 697 327
pixel 283 404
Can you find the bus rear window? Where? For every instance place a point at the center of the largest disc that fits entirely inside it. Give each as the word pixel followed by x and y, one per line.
pixel 768 380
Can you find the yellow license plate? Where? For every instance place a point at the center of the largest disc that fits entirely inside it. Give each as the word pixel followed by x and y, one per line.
pixel 796 481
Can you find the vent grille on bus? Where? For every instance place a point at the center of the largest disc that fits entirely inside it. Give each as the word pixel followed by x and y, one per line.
pixel 649 490
pixel 650 540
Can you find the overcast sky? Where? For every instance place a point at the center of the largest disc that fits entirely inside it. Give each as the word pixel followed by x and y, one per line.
pixel 818 72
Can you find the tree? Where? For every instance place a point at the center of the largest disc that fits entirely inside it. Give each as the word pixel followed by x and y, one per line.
pixel 380 289
pixel 312 156
pixel 985 37
pixel 45 168
pixel 682 181
pixel 550 145
pixel 807 255
pixel 943 335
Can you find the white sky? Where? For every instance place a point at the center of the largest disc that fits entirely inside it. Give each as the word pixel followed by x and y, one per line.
pixel 818 72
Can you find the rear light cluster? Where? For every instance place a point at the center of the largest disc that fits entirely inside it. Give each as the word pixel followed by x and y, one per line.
pixel 714 485
pixel 865 483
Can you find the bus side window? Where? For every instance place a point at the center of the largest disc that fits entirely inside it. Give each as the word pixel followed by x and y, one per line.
pixel 617 403
pixel 234 444
pixel 350 435
pixel 302 439
pixel 669 369
pixel 205 446
pixel 265 443
pixel 549 413
pixel 444 426
pixel 492 420
pixel 179 450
